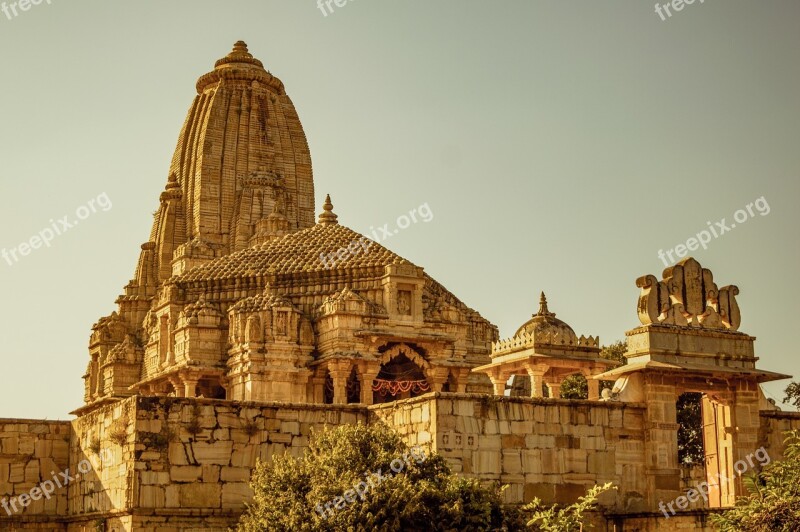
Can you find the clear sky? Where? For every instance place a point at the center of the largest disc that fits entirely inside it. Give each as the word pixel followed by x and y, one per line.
pixel 560 145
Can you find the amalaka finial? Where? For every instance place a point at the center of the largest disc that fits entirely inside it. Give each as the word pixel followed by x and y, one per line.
pixel 239 55
pixel 328 217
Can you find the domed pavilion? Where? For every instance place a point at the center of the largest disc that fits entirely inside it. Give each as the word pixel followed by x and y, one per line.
pixel 542 353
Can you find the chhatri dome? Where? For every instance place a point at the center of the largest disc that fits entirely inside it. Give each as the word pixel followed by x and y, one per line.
pixel 545 322
pixel 238 294
pixel 542 354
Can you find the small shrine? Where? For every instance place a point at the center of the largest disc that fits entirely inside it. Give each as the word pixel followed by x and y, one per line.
pixel 546 350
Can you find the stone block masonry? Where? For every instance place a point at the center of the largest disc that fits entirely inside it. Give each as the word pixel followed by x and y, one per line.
pixel 551 449
pixel 29 451
pixel 185 464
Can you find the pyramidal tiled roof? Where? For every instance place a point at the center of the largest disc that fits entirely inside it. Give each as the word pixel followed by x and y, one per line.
pixel 298 252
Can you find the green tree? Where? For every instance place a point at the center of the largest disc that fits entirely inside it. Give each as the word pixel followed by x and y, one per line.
pixel 345 482
pixel 567 519
pixel 576 387
pixel 690 428
pixel 773 503
pixel 615 351
pixel 793 394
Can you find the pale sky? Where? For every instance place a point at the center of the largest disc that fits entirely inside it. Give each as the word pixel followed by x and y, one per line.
pixel 559 145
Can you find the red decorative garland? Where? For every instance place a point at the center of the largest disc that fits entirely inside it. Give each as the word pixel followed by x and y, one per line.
pixel 393 388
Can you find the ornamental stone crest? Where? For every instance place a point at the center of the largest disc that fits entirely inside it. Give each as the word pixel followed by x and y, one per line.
pixel 688 297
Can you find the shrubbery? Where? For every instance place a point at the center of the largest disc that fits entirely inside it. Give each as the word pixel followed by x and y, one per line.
pixel 365 478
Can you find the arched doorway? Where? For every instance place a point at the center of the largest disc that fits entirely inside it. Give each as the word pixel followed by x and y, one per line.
pixel 399 378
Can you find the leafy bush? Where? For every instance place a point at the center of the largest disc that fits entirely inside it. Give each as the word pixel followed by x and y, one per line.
pixel 567 519
pixel 309 493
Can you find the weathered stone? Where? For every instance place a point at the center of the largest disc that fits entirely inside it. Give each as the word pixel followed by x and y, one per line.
pixel 200 495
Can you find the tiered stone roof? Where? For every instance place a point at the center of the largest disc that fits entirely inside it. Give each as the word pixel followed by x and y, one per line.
pixel 298 252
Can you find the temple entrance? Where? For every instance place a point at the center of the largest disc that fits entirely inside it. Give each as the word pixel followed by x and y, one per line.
pixel 400 378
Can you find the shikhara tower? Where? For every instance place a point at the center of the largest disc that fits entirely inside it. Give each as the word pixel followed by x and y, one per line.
pixel 230 299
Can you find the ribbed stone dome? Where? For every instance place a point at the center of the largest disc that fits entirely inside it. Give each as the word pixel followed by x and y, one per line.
pixel 545 322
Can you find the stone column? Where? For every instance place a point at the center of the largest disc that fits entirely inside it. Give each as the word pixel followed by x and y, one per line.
pixel 462 377
pixel 190 385
pixel 437 377
pixel 554 389
pixel 178 385
pixel 367 376
pixel 499 382
pixel 318 387
pixel 536 376
pixel 662 471
pixel 340 371
pixel 594 388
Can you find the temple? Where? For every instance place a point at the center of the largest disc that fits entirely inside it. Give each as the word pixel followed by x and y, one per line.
pixel 236 338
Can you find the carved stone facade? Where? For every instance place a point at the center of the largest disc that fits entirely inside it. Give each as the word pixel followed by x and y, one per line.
pixel 236 338
pixel 231 298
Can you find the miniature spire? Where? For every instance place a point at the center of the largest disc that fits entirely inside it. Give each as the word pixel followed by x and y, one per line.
pixel 543 310
pixel 328 217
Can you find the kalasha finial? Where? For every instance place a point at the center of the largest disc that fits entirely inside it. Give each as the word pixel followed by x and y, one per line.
pixel 239 54
pixel 328 217
pixel 543 310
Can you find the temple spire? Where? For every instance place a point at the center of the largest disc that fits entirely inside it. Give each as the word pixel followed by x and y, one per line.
pixel 328 217
pixel 543 310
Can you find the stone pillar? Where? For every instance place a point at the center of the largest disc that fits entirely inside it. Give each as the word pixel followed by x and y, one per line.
pixel 594 388
pixel 367 376
pixel 340 371
pixel 190 386
pixel 437 376
pixel 461 377
pixel 536 376
pixel 499 382
pixel 554 389
pixel 317 387
pixel 662 471
pixel 178 385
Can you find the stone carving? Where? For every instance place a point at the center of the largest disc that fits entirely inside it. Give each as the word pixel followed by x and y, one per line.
pixel 404 302
pixel 253 331
pixel 280 323
pixel 688 297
